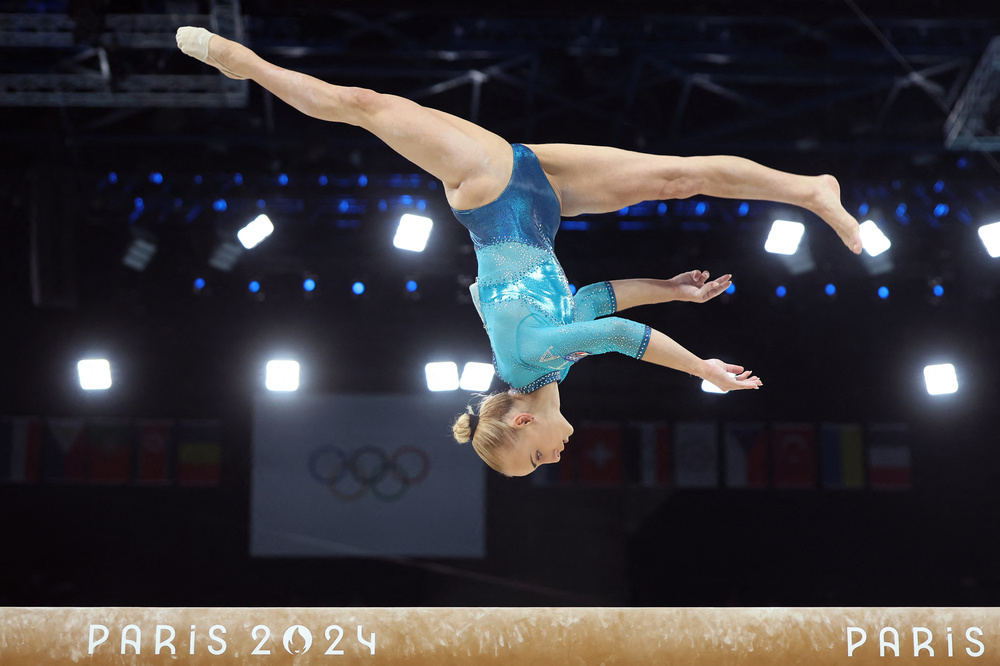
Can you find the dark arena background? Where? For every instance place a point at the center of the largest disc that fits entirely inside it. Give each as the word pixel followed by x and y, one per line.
pixel 127 169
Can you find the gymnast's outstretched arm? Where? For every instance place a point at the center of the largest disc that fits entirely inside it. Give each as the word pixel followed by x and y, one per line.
pixel 663 350
pixel 473 163
pixel 692 286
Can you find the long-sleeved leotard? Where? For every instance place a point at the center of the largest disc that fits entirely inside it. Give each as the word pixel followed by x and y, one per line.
pixel 537 328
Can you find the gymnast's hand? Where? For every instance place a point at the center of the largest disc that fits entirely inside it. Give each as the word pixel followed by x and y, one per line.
pixel 694 286
pixel 729 377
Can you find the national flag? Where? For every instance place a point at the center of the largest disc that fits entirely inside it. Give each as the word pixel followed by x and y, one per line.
pixel 601 449
pixel 793 448
pixel 199 452
pixel 842 460
pixel 21 450
pixel 153 448
pixel 654 453
pixel 696 455
pixel 889 457
pixel 746 455
pixel 65 450
pixel 110 451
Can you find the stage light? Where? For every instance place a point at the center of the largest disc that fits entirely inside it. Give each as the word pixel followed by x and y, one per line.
pixel 282 376
pixel 199 284
pixel 744 209
pixel 700 208
pixel 990 235
pixel 112 177
pixel 731 289
pixel 938 290
pixel 283 179
pixel 442 376
pixel 476 377
pixel 413 232
pixel 941 210
pixel 224 256
pixel 139 253
pixel 220 205
pixel 156 178
pixel 872 239
pixel 784 237
pixel 411 286
pixel 254 287
pixel 863 210
pixel 323 180
pixel 830 289
pixel 358 288
pixel 95 374
pixel 363 180
pixel 572 289
pixel 255 232
pixel 309 284
pixel 883 293
pixel 709 387
pixel 781 291
pixel 940 379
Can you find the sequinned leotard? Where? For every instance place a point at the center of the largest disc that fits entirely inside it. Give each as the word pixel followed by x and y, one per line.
pixel 537 328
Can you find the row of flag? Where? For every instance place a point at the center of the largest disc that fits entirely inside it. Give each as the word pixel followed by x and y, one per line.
pixel 110 451
pixel 833 456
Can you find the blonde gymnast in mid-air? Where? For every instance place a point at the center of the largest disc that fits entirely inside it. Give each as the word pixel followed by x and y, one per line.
pixel 511 199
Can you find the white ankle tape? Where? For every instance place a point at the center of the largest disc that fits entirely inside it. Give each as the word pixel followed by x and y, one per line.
pixel 194 42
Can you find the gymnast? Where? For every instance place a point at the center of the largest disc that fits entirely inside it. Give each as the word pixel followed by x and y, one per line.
pixel 511 199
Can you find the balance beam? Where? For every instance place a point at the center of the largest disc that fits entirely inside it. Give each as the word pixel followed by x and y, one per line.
pixel 523 636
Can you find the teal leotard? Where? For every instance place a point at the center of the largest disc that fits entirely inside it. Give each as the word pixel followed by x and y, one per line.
pixel 537 328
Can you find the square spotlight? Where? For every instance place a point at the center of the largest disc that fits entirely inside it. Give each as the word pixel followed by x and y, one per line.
pixel 255 232
pixel 873 240
pixel 784 237
pixel 95 374
pixel 990 234
pixel 476 377
pixel 139 253
pixel 413 232
pixel 442 376
pixel 940 379
pixel 282 376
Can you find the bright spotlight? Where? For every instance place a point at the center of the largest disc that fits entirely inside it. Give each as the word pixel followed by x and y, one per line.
pixel 873 240
pixel 476 377
pixel 252 234
pixel 442 376
pixel 282 376
pixel 990 234
pixel 709 387
pixel 784 237
pixel 413 232
pixel 95 374
pixel 940 379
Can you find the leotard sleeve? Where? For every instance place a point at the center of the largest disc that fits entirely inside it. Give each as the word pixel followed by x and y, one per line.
pixel 572 342
pixel 595 300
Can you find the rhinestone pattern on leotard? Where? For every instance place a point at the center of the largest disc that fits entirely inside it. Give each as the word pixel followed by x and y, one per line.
pixel 537 328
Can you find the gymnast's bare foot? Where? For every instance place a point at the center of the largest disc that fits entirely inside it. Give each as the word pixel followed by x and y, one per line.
pixel 206 47
pixel 828 206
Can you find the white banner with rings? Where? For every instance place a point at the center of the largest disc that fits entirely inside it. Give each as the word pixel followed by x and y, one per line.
pixel 356 475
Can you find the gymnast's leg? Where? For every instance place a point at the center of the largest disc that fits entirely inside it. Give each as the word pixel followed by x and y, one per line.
pixel 593 179
pixel 473 163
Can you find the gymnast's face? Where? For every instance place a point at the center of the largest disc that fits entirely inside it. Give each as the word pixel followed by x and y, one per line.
pixel 540 441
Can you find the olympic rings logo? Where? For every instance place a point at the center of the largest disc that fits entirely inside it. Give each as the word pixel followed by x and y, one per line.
pixel 349 477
